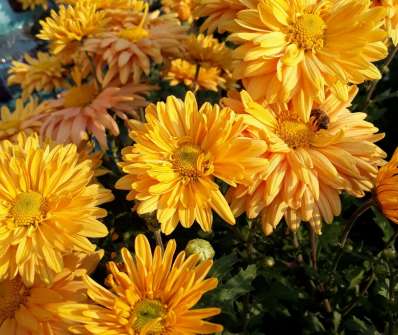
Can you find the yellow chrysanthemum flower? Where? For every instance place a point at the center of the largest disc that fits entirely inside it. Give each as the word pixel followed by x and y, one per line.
pixel 67 28
pixel 48 208
pixel 44 73
pixel 183 8
pixel 32 4
pixel 31 310
pixel 146 297
pixel 386 190
pixel 129 51
pixel 208 51
pixel 179 152
pixel 299 48
pixel 12 123
pixel 194 76
pixel 310 162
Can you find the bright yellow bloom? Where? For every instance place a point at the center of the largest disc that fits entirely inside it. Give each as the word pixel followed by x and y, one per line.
pixel 129 51
pixel 179 152
pixel 183 8
pixel 310 162
pixel 31 310
pixel 32 4
pixel 67 29
pixel 44 73
pixel 48 208
pixel 151 294
pixel 386 190
pixel 194 76
pixel 299 48
pixel 12 123
pixel 208 51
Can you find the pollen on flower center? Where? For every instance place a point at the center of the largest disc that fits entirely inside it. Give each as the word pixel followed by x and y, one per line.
pixel 80 96
pixel 295 133
pixel 28 209
pixel 148 312
pixel 186 160
pixel 13 293
pixel 134 34
pixel 308 32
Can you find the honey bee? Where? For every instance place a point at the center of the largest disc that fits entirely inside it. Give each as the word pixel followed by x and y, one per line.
pixel 319 119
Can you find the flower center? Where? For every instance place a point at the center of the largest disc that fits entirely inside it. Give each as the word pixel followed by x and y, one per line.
pixel 80 96
pixel 295 133
pixel 308 32
pixel 28 209
pixel 136 33
pixel 149 314
pixel 189 161
pixel 13 293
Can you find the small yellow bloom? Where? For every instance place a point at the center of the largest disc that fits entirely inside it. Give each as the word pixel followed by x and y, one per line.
pixel 146 297
pixel 67 28
pixel 179 152
pixel 183 8
pixel 32 4
pixel 48 208
pixel 21 119
pixel 386 190
pixel 44 73
pixel 31 310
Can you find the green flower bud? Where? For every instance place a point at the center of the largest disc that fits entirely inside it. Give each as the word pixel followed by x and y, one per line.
pixel 269 262
pixel 200 247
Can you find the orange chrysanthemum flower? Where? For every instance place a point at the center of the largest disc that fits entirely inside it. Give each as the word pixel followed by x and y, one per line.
pixel 220 14
pixel 194 76
pixel 151 294
pixel 31 310
pixel 310 162
pixel 179 152
pixel 44 73
pixel 299 48
pixel 391 19
pixel 386 190
pixel 21 119
pixel 48 208
pixel 80 111
pixel 128 51
pixel 67 28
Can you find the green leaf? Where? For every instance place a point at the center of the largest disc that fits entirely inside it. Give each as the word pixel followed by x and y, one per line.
pixel 383 224
pixel 222 267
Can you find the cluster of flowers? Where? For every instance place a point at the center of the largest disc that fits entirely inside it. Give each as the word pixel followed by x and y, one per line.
pixel 284 143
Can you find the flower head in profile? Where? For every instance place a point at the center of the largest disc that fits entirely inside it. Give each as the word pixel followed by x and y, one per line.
pixel 42 74
pixel 32 4
pixel 151 294
pixel 48 208
pixel 31 310
pixel 129 50
pixel 183 8
pixel 310 162
pixel 67 28
pixel 178 154
pixel 20 119
pixel 194 76
pixel 297 49
pixel 220 14
pixel 386 189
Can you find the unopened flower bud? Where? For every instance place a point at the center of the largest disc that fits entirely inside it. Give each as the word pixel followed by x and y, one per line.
pixel 200 247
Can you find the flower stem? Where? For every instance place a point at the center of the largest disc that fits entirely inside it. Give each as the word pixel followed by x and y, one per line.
pixel 373 86
pixel 158 238
pixel 350 223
